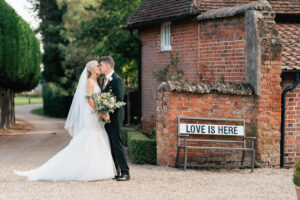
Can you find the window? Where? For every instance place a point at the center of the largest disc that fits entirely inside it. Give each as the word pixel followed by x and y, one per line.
pixel 165 37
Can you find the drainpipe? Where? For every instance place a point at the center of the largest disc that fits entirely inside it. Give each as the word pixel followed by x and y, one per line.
pixel 139 58
pixel 283 95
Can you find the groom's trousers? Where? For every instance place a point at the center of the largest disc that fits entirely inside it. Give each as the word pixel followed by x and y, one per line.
pixel 117 149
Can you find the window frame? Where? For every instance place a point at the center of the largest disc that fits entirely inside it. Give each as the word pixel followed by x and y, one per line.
pixel 166 37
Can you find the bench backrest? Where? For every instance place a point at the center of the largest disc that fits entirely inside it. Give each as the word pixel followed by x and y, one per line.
pixel 210 129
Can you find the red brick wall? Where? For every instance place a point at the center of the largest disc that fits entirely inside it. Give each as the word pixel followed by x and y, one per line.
pixel 217 51
pixel 292 123
pixel 172 105
pixel 222 50
pixel 268 103
pixel 262 112
pixel 184 41
pixel 214 50
pixel 269 114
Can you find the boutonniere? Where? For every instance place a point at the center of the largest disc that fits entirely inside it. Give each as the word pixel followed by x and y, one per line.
pixel 110 79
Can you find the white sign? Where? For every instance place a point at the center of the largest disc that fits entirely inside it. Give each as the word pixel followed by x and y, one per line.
pixel 211 129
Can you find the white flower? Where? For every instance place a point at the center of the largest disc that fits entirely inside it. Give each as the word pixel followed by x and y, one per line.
pixel 110 79
pixel 113 100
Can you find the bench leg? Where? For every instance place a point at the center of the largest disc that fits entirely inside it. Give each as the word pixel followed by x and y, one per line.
pixel 253 155
pixel 177 157
pixel 185 158
pixel 243 157
pixel 253 158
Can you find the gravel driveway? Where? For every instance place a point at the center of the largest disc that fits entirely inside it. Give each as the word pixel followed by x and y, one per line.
pixel 31 149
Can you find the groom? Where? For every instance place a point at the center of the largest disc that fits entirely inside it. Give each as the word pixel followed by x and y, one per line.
pixel 112 82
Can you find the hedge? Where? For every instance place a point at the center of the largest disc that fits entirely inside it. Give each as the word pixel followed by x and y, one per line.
pixel 20 55
pixel 56 100
pixel 141 149
pixel 124 135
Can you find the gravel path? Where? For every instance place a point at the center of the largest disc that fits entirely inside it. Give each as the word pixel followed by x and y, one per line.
pixel 33 148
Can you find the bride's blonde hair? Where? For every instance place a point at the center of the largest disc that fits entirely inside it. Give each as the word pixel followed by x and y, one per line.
pixel 91 65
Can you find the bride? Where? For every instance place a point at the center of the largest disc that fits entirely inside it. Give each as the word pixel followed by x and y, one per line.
pixel 88 156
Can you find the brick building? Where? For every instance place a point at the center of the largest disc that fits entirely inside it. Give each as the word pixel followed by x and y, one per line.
pixel 238 57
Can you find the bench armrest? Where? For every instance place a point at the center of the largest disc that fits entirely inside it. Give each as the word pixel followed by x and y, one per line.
pixel 250 138
pixel 184 135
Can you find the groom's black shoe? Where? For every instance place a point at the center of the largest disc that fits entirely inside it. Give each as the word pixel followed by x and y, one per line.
pixel 117 176
pixel 124 177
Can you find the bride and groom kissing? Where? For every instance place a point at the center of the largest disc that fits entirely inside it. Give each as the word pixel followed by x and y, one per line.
pixel 94 152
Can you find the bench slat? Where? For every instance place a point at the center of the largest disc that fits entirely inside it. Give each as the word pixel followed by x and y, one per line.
pixel 217 148
pixel 204 140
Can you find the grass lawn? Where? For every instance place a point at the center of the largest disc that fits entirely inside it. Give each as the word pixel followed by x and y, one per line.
pixel 38 111
pixel 25 100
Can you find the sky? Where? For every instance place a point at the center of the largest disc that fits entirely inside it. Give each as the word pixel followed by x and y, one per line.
pixel 22 8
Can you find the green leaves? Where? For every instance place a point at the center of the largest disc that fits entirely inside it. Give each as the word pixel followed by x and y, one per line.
pixel 97 30
pixel 170 72
pixel 141 149
pixel 20 56
pixel 296 176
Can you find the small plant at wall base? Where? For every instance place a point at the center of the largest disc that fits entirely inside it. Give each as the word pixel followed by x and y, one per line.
pixel 296 178
pixel 221 79
pixel 170 72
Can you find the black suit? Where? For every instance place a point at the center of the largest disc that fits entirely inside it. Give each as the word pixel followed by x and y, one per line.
pixel 114 128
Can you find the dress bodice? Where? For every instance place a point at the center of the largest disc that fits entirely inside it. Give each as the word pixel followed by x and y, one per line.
pixel 96 89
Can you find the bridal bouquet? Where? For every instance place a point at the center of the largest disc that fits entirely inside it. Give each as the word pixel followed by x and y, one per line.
pixel 106 103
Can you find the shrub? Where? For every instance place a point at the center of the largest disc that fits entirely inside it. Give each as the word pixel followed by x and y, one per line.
pixel 141 149
pixel 56 102
pixel 20 55
pixel 124 135
pixel 151 133
pixel 296 177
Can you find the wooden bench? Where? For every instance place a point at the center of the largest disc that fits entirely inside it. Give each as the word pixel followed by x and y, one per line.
pixel 187 129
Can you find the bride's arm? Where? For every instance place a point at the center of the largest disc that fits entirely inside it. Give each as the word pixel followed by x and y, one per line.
pixel 89 90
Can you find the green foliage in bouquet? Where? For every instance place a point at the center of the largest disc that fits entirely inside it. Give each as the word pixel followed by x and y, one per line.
pixel 106 102
pixel 141 149
pixel 296 177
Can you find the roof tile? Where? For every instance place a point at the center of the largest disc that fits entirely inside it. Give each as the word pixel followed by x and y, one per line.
pixel 206 88
pixel 151 11
pixel 289 35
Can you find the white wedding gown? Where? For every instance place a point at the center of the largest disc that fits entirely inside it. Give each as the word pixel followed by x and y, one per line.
pixel 86 158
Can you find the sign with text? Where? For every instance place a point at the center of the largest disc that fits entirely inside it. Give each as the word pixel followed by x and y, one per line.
pixel 211 129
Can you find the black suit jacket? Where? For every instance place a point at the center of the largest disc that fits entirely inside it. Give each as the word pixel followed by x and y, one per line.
pixel 116 86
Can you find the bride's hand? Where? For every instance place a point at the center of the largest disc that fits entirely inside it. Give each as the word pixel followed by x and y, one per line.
pixel 105 116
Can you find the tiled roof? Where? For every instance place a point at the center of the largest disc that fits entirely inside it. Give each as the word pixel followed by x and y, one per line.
pixel 279 6
pixel 152 11
pixel 231 11
pixel 207 88
pixel 289 35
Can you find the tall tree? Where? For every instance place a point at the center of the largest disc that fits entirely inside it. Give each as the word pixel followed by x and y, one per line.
pixel 55 81
pixel 76 31
pixel 107 28
pixel 20 60
pixel 95 28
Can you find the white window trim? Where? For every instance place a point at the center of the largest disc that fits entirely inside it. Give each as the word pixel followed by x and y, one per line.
pixel 166 37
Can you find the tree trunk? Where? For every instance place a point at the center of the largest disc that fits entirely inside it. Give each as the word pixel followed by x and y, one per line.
pixel 7 108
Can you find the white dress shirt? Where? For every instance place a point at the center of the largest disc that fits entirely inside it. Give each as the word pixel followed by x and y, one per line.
pixel 107 77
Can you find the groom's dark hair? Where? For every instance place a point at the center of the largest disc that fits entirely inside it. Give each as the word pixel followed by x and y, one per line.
pixel 108 59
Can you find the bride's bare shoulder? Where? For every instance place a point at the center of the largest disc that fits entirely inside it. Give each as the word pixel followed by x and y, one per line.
pixel 90 83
